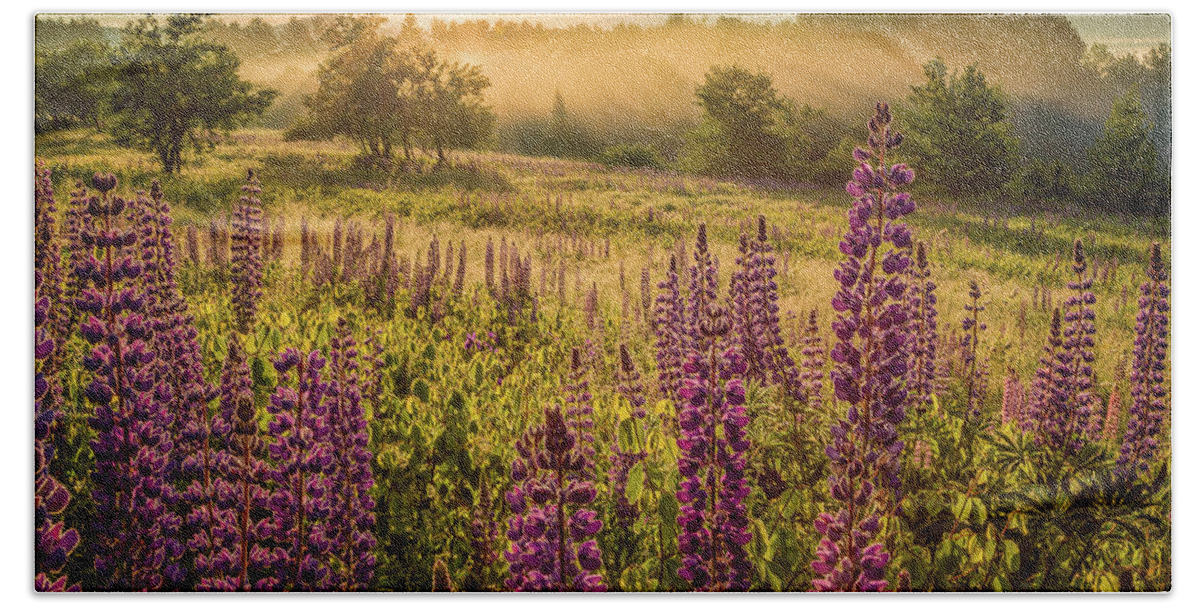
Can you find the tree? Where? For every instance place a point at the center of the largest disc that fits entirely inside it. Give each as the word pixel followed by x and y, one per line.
pixel 957 131
pixel 72 85
pixel 378 96
pixel 177 92
pixel 747 128
pixel 1123 172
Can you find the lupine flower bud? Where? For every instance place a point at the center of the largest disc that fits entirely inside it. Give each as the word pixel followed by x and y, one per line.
pixel 1149 394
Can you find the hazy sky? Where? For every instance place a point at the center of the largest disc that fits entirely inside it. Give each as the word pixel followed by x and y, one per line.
pixel 1121 32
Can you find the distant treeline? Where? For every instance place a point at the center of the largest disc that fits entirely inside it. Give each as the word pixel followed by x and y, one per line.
pixel 628 94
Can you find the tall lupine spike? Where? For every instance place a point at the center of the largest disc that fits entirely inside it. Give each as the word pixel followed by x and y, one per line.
pixel 871 359
pixel 702 289
pixel 229 538
pixel 134 535
pixel 922 364
pixel 246 250
pixel 351 519
pixel 1149 407
pixel 301 500
pixel 970 345
pixel 1051 410
pixel 53 541
pixel 78 220
pixel 668 329
pixel 1079 329
pixel 591 308
pixel 629 386
pixel 755 297
pixel 552 528
pixel 441 577
pixel 713 445
pixel 1012 409
pixel 812 366
pixel 579 412
pixel 47 259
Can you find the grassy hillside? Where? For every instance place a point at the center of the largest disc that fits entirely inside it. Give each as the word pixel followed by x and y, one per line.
pixel 555 206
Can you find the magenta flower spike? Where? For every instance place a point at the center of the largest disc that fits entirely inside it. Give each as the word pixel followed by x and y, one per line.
pixel 1149 406
pixel 870 363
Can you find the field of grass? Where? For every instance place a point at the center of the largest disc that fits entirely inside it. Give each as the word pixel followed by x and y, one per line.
pixel 445 414
pixel 540 202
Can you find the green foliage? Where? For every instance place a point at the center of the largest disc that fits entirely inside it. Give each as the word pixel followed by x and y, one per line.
pixel 748 130
pixel 634 156
pixel 379 96
pixel 1123 172
pixel 957 132
pixel 175 92
pixel 72 85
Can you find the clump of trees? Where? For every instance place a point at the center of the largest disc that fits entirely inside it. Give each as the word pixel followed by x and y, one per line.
pixel 958 134
pixel 748 129
pixel 164 89
pixel 384 97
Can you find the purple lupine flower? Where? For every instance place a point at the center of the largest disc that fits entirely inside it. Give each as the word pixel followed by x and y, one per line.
pixel 668 325
pixel 970 347
pixel 812 366
pixel 1144 431
pixel 233 544
pixel 1051 411
pixel 629 386
pixel 754 296
pixel 871 359
pixel 134 536
pixel 53 541
pixel 1079 329
pixel 922 364
pixel 713 445
pixel 489 268
pixel 552 529
pixel 460 274
pixel 1012 409
pixel 351 519
pixel 47 259
pixel 702 291
pixel 246 243
pixel 579 413
pixel 301 501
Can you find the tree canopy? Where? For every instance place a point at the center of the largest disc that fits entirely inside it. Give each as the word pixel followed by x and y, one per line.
pixel 1123 172
pixel 175 91
pixel 957 131
pixel 748 129
pixel 379 96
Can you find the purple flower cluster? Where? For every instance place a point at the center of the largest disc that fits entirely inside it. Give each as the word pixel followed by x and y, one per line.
pixel 1149 406
pixel 668 326
pixel 234 531
pixel 1051 410
pixel 53 541
pixel 135 531
pixel 871 361
pixel 1079 329
pixel 300 503
pixel 580 414
pixel 552 529
pixel 922 363
pixel 351 517
pixel 712 463
pixel 970 347
pixel 754 296
pixel 246 253
pixel 812 364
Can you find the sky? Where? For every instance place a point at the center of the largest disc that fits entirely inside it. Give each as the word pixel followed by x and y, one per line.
pixel 1122 32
